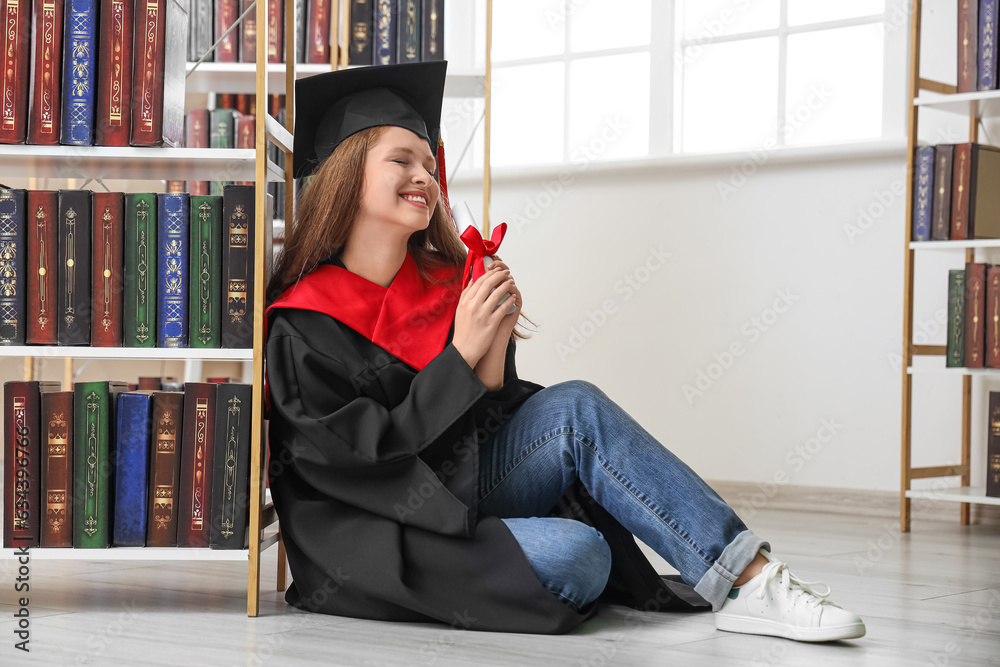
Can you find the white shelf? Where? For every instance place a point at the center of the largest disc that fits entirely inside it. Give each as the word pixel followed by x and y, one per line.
pixel 241 78
pixel 85 352
pixel 984 103
pixel 943 370
pixel 130 553
pixel 954 245
pixel 960 494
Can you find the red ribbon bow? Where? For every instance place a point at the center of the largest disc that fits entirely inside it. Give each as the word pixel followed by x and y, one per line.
pixel 478 250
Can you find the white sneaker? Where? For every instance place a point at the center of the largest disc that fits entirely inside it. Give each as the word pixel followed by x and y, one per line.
pixel 778 603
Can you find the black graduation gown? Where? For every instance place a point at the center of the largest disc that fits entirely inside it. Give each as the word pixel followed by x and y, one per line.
pixel 374 470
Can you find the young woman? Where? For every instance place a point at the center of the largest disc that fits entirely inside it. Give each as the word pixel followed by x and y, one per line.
pixel 415 476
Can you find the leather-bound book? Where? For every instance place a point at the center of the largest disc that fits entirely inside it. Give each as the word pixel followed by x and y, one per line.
pixel 318 26
pixel 237 266
pixel 73 296
pixel 107 288
pixel 987 45
pixel 225 101
pixel 941 205
pixel 956 319
pixel 275 31
pixel 231 477
pixel 248 33
pixel 968 49
pixel 984 196
pixel 386 21
pixel 43 254
pixel 993 448
pixel 432 34
pixel 44 106
pixel 57 469
pixel 993 317
pixel 246 134
pixel 140 250
pixel 194 504
pixel 408 31
pixel 113 121
pixel 172 269
pixel 201 30
pixel 22 456
pixel 226 13
pixel 961 179
pixel 975 314
pixel 168 414
pixel 196 135
pixel 13 280
pixel 94 462
pixel 78 75
pixel 205 291
pixel 159 71
pixel 362 20
pixel 149 382
pixel 222 134
pixel 16 55
pixel 134 435
pixel 301 30
pixel 923 189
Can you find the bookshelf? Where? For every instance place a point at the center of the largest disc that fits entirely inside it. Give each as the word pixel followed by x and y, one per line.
pixel 928 94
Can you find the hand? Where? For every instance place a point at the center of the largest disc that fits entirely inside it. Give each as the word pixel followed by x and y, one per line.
pixel 477 317
pixel 507 323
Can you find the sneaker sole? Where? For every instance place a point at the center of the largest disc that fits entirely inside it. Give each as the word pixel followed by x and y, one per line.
pixel 760 626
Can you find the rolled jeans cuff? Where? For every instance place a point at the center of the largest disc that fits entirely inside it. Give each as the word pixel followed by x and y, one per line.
pixel 716 583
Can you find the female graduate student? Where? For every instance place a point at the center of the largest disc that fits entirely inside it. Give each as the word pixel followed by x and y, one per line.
pixel 415 476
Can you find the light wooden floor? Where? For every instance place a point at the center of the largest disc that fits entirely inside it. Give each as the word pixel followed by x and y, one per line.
pixel 930 597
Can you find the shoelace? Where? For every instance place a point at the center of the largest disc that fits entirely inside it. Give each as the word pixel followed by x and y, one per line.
pixel 790 583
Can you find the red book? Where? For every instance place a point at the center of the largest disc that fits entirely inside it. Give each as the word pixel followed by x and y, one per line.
pixel 246 135
pixel 274 104
pixel 975 314
pixel 993 317
pixel 57 469
pixel 225 100
pixel 194 504
pixel 962 179
pixel 164 465
pixel 147 93
pixel 226 13
pixel 46 72
pixel 248 35
pixel 968 51
pixel 196 135
pixel 16 43
pixel 113 117
pixel 318 32
pixel 43 253
pixel 106 283
pixel 275 28
pixel 148 382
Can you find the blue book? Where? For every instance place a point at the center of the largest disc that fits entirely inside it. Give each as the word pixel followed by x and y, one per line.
pixel 172 269
pixel 13 280
pixel 135 413
pixel 79 78
pixel 923 193
pixel 987 44
pixel 385 31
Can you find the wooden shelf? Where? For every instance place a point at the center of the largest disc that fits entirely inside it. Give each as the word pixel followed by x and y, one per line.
pixel 982 104
pixel 958 494
pixel 954 245
pixel 159 353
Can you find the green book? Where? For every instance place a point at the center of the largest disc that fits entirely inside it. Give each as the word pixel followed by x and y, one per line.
pixel 222 134
pixel 205 266
pixel 94 462
pixel 956 319
pixel 139 309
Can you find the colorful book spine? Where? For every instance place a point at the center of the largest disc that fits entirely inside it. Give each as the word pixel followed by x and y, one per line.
pixel 988 44
pixel 161 518
pixel 57 469
pixel 246 135
pixel 222 134
pixel 968 48
pixel 147 94
pixel 171 107
pixel 172 269
pixel 139 303
pixel 941 206
pixel 993 448
pixel 226 13
pixel 318 47
pixel 194 504
pixel 106 282
pixel 44 111
pixel 362 17
pixel 114 76
pixel 196 135
pixel 42 261
pixel 237 266
pixel 432 35
pixel 134 420
pixel 73 297
pixel 993 317
pixel 93 462
pixel 13 279
pixel 248 33
pixel 408 35
pixel 275 31
pixel 231 459
pixel 385 31
pixel 961 182
pixel 205 293
pixel 975 314
pixel 79 77
pixel 15 40
pixel 923 191
pixel 955 348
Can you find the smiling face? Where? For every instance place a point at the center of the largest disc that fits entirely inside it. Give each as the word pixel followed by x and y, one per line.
pixel 399 187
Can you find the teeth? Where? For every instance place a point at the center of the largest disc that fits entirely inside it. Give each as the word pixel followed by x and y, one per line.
pixel 415 198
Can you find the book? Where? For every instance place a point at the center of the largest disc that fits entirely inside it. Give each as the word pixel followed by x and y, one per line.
pixel 15 40
pixel 975 314
pixel 172 269
pixel 22 438
pixel 993 447
pixel 57 469
pixel 923 190
pixel 106 281
pixel 983 217
pixel 194 504
pixel 231 460
pixel 78 75
pixel 318 22
pixel 968 49
pixel 13 279
pixel 987 45
pixel 94 461
pixel 360 49
pixel 237 266
pixel 275 31
pixel 201 31
pixel 955 349
pixel 45 80
pixel 409 22
pixel 140 257
pixel 993 317
pixel 73 297
pixel 42 215
pixel 226 13
pixel 432 32
pixel 113 119
pixel 300 30
pixel 161 517
pixel 245 131
pixel 134 424
pixel 196 135
pixel 385 31
pixel 248 33
pixel 222 134
pixel 159 69
pixel 941 205
pixel 205 292
pixel 961 179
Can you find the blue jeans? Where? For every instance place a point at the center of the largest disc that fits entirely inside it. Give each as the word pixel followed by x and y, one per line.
pixel 571 431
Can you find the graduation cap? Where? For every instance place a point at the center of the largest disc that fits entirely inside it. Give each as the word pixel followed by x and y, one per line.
pixel 332 106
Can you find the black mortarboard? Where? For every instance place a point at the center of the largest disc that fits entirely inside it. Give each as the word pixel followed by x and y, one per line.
pixel 332 106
